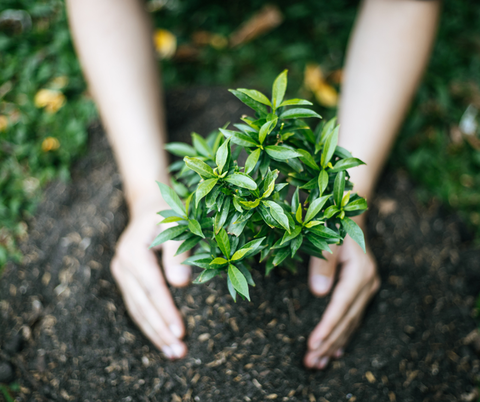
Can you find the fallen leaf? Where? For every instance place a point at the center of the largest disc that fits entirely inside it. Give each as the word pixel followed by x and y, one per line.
pixel 268 18
pixel 50 144
pixel 50 99
pixel 165 43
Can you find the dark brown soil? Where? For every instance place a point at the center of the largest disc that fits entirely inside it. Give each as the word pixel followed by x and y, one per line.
pixel 65 331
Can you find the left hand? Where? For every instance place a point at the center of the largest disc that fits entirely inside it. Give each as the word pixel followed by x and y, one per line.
pixel 358 282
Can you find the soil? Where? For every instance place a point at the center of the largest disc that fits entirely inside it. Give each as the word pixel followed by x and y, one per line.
pixel 67 337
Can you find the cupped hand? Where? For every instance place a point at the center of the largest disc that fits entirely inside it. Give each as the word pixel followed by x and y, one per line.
pixel 142 284
pixel 358 281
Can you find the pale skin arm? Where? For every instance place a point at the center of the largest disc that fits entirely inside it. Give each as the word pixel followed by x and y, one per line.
pixel 114 42
pixel 387 55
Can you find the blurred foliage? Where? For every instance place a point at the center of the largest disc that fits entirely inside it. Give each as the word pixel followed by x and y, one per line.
pixel 42 133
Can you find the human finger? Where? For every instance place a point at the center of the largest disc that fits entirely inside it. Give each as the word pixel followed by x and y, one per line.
pixel 177 274
pixel 322 273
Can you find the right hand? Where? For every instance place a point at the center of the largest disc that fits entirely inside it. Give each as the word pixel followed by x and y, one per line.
pixel 142 284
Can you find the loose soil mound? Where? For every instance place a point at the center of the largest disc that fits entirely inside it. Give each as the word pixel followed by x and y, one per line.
pixel 65 331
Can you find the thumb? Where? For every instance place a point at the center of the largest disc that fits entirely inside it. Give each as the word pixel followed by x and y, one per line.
pixel 322 273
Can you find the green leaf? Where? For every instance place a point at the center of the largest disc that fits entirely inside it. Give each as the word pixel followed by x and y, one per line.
pixel 354 231
pixel 266 129
pixel 280 256
pixel 323 231
pixel 253 246
pixel 318 243
pixel 329 148
pixel 223 243
pixel 339 188
pixel 255 95
pixel 279 88
pixel 204 188
pixel 251 204
pixel 252 160
pixel 342 152
pixel 356 205
pixel 278 214
pixel 180 149
pixel 312 224
pixel 219 261
pixel 295 200
pixel 241 180
pixel 240 253
pixel 222 215
pixel 195 228
pixel 172 199
pixel 322 181
pixel 257 106
pixel 298 214
pixel 281 153
pixel 347 163
pixel 172 219
pixel 188 245
pixel 315 207
pixel 246 273
pixel 206 275
pixel 330 211
pixel 179 188
pixel 239 138
pixel 168 234
pixel 205 171
pixel 327 130
pixel 295 244
pixel 231 289
pixel 289 236
pixel 238 281
pixel 236 204
pixel 295 102
pixel 222 155
pixel 299 113
pixel 201 146
pixel 307 159
pixel 345 199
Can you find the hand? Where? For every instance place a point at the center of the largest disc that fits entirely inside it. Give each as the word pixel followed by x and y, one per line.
pixel 145 292
pixel 357 283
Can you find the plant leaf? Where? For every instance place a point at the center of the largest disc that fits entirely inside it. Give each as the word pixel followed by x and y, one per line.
pixel 241 180
pixel 222 155
pixel 201 146
pixel 172 219
pixel 295 244
pixel 219 261
pixel 180 149
pixel 329 148
pixel 354 231
pixel 322 181
pixel 255 95
pixel 281 153
pixel 279 88
pixel 289 236
pixel 240 253
pixel 257 106
pixel 299 113
pixel 172 199
pixel 223 242
pixel 204 188
pixel 231 289
pixel 307 159
pixel 345 164
pixel 206 275
pixel 246 273
pixel 195 228
pixel 315 207
pixel 278 214
pixel 252 160
pixel 222 215
pixel 339 188
pixel 323 231
pixel 330 211
pixel 238 281
pixel 280 256
pixel 266 129
pixel 168 234
pixel 188 245
pixel 298 214
pixel 205 171
pixel 356 205
pixel 345 199
pixel 295 102
pixel 318 243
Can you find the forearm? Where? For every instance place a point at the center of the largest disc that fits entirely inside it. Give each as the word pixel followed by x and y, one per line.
pixel 387 54
pixel 113 40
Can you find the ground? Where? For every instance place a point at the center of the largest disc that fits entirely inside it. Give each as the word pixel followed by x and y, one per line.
pixel 65 331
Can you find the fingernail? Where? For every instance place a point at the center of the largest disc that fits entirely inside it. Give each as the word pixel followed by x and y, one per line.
pixel 179 273
pixel 167 351
pixel 321 283
pixel 323 363
pixel 177 350
pixel 176 330
pixel 339 353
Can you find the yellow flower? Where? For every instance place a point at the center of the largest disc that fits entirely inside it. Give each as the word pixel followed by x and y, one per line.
pixel 3 122
pixel 165 43
pixel 314 81
pixel 50 99
pixel 50 144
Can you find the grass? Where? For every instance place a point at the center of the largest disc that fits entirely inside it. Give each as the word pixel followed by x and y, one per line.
pixel 39 143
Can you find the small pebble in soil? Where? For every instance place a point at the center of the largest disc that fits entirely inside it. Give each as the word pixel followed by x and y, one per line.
pixel 6 372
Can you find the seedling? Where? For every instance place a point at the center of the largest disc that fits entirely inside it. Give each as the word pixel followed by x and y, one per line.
pixel 292 195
